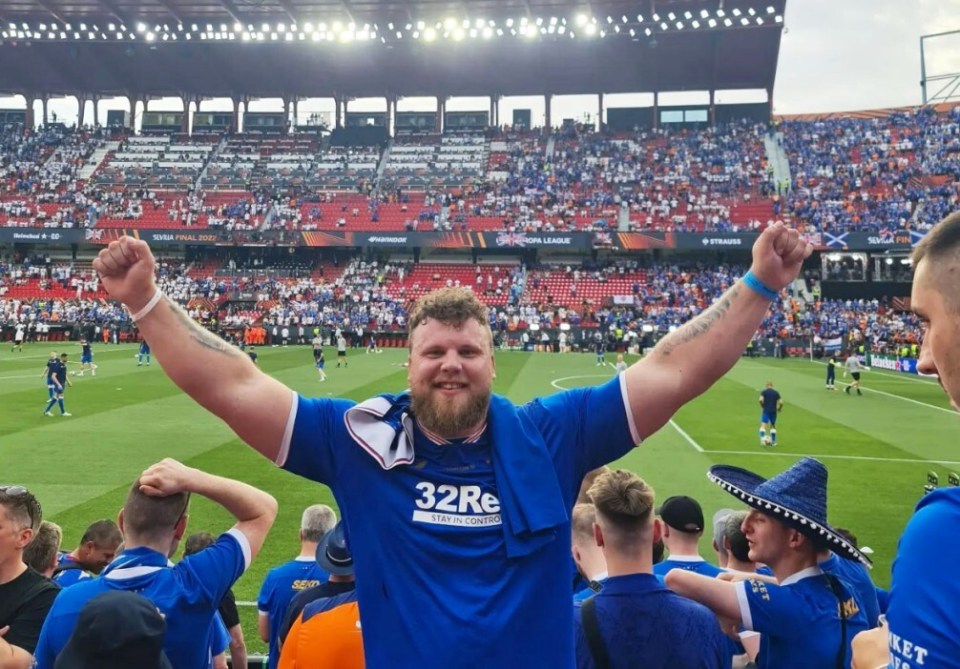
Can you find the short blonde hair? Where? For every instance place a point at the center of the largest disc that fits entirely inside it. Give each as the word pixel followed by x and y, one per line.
pixel 581 521
pixel 624 501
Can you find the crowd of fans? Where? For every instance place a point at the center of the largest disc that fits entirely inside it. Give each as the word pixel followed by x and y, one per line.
pixel 633 303
pixel 876 175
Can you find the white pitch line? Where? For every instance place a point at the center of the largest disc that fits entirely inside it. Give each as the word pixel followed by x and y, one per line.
pixel 867 458
pixel 686 436
pixel 905 399
pixel 893 376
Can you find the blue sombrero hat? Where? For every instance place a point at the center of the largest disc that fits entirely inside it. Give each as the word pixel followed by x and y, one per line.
pixel 796 497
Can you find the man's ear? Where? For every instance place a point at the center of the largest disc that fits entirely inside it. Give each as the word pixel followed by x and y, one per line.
pixel 598 535
pixel 657 530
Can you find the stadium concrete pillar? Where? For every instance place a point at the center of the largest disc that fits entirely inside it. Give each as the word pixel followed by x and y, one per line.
pixel 599 112
pixel 391 114
pixel 296 114
pixel 713 108
pixel 28 116
pixel 45 101
pixel 441 110
pixel 769 104
pixel 185 121
pixel 493 111
pixel 236 114
pixel 337 116
pixel 656 110
pixel 547 118
pixel 81 110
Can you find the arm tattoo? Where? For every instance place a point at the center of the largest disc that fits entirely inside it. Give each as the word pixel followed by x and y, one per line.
pixel 201 335
pixel 701 324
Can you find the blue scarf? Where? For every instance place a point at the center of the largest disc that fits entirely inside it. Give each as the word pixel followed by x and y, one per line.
pixel 531 502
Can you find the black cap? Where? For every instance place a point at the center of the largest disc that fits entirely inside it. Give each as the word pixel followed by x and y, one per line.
pixel 682 513
pixel 116 630
pixel 333 554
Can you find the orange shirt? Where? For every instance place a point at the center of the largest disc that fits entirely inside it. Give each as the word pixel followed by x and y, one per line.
pixel 328 640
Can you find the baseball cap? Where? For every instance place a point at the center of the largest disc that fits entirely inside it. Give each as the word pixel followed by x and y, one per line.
pixel 116 630
pixel 682 513
pixel 333 554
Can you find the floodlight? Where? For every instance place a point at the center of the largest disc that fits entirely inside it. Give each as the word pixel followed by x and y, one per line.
pixel 430 34
pixel 523 20
pixel 581 19
pixel 609 19
pixel 727 22
pixel 281 27
pixel 420 25
pixel 603 33
pixel 778 19
pixel 539 21
pixel 458 34
pixel 679 25
pixel 51 35
pixel 119 36
pixel 616 28
pixel 712 23
pixel 561 30
pixel 633 33
pixel 752 11
pixel 553 20
pixel 663 25
pixel 473 33
pixel 94 36
pixel 656 16
pixel 416 34
pixel 487 32
pixel 150 37
pixel 551 29
pixel 695 24
pixel 289 37
pixel 509 23
pixel 721 13
pixel 399 35
pixel 759 20
pixel 499 32
pixel 274 36
pixel 140 27
pixel 449 23
pixel 744 21
pixel 591 29
pixel 322 27
pixel 639 18
pixel 704 14
pixel 246 36
pixel 687 15
pixel 736 11
pixel 671 16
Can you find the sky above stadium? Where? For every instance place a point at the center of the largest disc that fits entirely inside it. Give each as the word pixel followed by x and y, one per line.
pixel 836 55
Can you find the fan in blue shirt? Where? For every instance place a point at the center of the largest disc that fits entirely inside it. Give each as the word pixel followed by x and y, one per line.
pixel 639 622
pixel 770 404
pixel 682 519
pixel 284 582
pixel 97 548
pixel 805 618
pixel 153 519
pixel 456 500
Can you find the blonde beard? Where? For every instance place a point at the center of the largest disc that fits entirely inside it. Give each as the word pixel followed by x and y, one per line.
pixel 445 420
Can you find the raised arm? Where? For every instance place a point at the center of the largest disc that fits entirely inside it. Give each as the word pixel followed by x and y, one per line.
pixel 220 377
pixel 254 509
pixel 688 361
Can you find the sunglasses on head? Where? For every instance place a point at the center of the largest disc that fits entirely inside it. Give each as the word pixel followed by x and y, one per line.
pixel 15 491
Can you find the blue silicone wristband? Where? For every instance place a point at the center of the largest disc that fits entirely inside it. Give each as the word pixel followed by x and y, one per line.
pixel 757 286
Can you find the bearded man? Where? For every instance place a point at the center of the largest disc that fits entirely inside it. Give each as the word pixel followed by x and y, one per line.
pixel 456 501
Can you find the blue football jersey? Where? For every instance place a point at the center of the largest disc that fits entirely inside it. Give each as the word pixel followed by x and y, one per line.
pixel 434 581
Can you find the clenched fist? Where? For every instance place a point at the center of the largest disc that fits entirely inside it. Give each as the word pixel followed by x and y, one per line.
pixel 778 254
pixel 126 268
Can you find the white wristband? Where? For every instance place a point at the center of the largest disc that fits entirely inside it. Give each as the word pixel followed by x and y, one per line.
pixel 157 296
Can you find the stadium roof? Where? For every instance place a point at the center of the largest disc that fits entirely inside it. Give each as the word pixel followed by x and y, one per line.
pixel 361 48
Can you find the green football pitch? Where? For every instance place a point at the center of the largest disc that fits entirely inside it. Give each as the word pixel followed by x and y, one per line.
pixel 878 447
